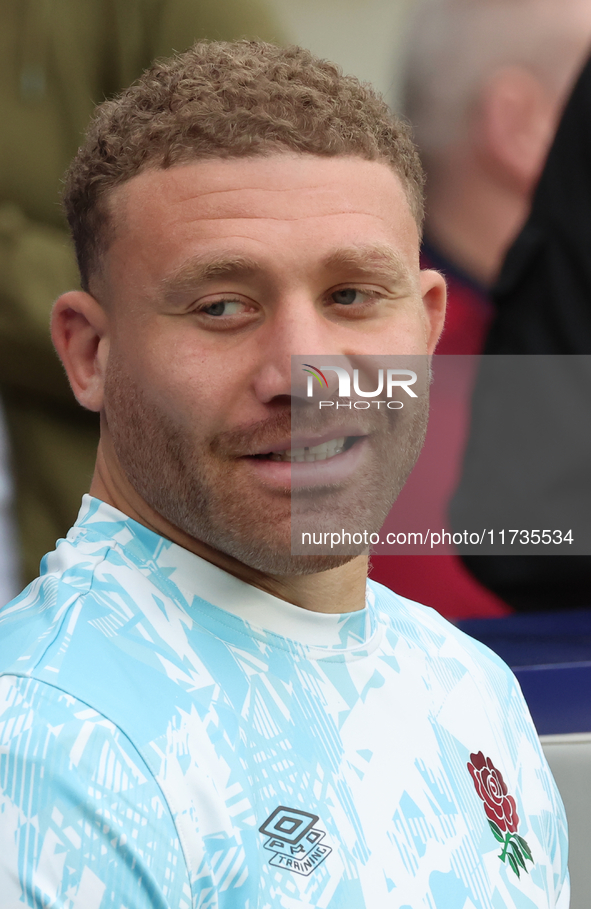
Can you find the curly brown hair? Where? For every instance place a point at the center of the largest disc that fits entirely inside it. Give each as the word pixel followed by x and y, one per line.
pixel 223 100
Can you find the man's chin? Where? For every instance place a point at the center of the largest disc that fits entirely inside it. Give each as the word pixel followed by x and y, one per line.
pixel 279 561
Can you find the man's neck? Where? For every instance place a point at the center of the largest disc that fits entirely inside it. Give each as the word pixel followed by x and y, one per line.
pixel 336 590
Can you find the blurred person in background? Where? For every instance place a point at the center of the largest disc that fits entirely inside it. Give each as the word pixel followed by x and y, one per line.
pixel 57 60
pixel 484 85
pixel 542 302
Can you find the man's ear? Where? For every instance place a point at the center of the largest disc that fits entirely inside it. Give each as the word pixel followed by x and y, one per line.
pixel 434 294
pixel 518 120
pixel 79 330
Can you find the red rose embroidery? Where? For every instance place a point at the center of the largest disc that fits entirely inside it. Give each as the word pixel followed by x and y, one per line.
pixel 490 786
pixel 501 811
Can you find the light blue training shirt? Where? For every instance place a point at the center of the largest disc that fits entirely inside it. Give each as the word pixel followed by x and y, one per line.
pixel 171 737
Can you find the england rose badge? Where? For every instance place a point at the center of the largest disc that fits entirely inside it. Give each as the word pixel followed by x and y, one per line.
pixel 501 811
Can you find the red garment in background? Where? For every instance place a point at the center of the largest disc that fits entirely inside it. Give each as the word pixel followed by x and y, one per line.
pixel 442 581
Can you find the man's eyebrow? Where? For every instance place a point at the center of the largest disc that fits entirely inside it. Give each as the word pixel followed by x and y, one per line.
pixel 369 260
pixel 366 261
pixel 202 268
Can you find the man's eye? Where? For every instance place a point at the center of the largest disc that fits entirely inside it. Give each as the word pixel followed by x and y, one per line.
pixel 224 308
pixel 347 296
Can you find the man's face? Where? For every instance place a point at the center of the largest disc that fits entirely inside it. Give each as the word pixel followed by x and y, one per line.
pixel 219 272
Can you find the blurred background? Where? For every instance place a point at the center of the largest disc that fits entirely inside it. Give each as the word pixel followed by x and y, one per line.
pixel 365 37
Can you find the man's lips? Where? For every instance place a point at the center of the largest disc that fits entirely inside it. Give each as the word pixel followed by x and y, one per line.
pixel 336 439
pixel 308 456
pixel 309 467
pixel 311 453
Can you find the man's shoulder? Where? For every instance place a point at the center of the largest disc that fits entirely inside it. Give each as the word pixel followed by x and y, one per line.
pixel 423 627
pixel 89 624
pixel 32 623
pixel 85 566
pixel 464 688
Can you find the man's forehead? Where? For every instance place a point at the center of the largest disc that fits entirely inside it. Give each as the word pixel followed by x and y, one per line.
pixel 257 207
pixel 294 185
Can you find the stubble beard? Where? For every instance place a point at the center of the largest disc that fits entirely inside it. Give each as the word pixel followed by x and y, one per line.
pixel 191 486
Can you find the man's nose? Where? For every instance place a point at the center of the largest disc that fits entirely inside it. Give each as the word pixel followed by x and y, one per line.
pixel 295 336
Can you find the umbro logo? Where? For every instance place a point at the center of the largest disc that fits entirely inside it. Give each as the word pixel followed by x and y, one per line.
pixel 294 840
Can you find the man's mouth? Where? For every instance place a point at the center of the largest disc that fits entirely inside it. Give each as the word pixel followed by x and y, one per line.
pixel 321 452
